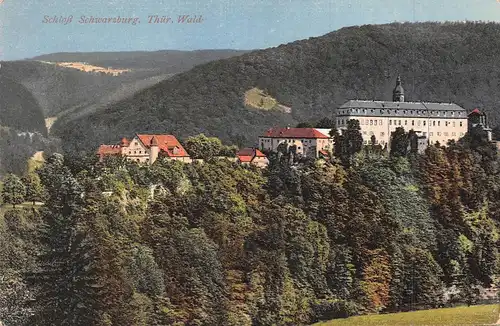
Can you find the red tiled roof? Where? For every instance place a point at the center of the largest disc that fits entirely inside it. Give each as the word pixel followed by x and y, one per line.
pixel 166 143
pixel 324 153
pixel 125 142
pixel 109 150
pixel 245 158
pixel 259 153
pixel 247 154
pixel 475 111
pixel 294 133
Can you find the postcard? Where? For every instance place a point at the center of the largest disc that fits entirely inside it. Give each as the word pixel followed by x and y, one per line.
pixel 249 162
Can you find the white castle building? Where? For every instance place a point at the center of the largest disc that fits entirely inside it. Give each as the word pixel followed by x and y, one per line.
pixel 437 122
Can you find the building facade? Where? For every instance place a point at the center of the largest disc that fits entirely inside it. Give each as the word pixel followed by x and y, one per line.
pixel 252 156
pixel 146 149
pixel 308 142
pixel 437 122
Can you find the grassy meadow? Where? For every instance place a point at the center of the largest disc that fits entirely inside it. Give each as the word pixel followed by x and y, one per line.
pixel 474 315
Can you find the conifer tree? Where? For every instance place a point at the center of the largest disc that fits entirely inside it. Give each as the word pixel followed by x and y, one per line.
pixel 14 191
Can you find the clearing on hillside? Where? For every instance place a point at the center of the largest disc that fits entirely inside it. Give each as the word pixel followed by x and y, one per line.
pixel 474 315
pixel 49 122
pixel 258 99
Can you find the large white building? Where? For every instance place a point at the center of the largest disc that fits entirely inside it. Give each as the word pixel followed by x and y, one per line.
pixel 437 122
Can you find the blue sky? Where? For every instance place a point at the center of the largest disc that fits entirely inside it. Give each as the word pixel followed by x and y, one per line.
pixel 227 24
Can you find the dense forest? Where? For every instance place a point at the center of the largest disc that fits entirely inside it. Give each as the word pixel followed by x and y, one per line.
pixel 59 89
pixel 18 108
pixel 31 91
pixel 217 243
pixel 438 62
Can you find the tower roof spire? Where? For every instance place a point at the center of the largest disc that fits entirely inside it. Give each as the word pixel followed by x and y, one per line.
pixel 398 94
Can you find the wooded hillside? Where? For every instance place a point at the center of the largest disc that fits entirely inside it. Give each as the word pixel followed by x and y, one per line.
pixel 441 62
pixel 223 244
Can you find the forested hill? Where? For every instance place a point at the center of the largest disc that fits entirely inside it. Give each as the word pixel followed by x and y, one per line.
pixel 444 62
pixel 18 108
pixel 167 61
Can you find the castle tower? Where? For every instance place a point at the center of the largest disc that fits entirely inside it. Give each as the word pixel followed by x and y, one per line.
pixel 478 118
pixel 398 94
pixel 154 150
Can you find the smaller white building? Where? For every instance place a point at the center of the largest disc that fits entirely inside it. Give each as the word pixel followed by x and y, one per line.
pixel 309 142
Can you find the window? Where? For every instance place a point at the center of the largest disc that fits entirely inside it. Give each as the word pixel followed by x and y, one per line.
pixel 453 123
pixel 129 152
pixel 439 134
pixel 135 152
pixel 413 122
pixel 446 134
pixel 434 123
pixel 453 133
pixel 461 123
pixel 424 133
pixel 380 122
pixel 298 147
pixel 406 122
pixel 439 123
pixel 399 122
pixel 382 134
pixel 375 122
pixel 371 122
pixel 424 123
pixel 390 122
pixel 140 152
pixel 461 134
pixel 430 134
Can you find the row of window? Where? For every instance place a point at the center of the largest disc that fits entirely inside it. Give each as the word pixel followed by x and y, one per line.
pixel 135 152
pixel 320 141
pixel 399 122
pixel 382 142
pixel 399 111
pixel 446 134
pixel 420 122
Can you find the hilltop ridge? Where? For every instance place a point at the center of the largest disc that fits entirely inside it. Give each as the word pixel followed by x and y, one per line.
pixel 439 62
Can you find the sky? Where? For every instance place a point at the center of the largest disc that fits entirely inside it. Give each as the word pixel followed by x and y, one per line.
pixel 27 28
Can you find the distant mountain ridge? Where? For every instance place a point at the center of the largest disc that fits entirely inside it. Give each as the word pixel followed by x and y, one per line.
pixel 164 61
pixel 32 90
pixel 439 62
